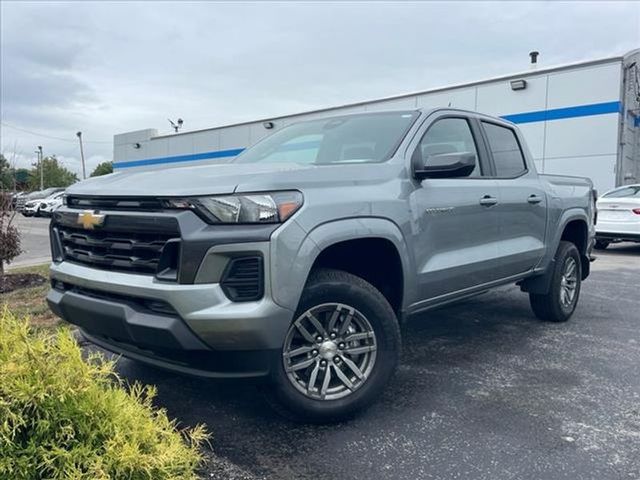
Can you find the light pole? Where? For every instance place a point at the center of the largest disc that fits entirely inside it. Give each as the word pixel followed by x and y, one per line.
pixel 41 162
pixel 84 172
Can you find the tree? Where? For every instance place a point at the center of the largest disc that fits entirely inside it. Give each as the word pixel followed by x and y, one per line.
pixel 21 176
pixel 102 169
pixel 55 175
pixel 9 234
pixel 6 174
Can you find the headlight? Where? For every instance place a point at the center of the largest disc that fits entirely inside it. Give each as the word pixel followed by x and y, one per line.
pixel 273 207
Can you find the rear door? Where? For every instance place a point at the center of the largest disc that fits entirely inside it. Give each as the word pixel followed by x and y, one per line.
pixel 522 210
pixel 455 224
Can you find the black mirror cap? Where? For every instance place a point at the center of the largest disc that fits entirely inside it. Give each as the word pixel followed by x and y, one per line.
pixel 448 165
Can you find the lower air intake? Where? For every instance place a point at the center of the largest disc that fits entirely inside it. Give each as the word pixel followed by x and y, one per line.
pixel 242 280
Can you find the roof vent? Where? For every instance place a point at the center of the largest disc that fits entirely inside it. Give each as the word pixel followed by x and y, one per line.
pixel 534 58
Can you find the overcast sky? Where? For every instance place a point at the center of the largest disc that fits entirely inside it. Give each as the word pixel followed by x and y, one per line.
pixel 107 68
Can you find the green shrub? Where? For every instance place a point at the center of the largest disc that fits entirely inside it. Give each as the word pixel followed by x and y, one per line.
pixel 65 417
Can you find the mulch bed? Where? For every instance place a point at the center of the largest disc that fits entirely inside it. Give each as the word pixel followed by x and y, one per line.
pixel 11 282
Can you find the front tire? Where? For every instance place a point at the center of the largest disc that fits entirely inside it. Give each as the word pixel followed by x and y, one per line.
pixel 560 302
pixel 340 351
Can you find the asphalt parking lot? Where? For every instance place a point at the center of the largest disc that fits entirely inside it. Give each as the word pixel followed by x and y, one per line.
pixel 34 241
pixel 484 391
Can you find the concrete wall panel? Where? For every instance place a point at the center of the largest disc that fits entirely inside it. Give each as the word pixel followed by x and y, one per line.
pixel 534 136
pixel 208 141
pixel 574 137
pixel 584 86
pixel 235 137
pixel 396 104
pixel 499 99
pixel 464 98
pixel 599 169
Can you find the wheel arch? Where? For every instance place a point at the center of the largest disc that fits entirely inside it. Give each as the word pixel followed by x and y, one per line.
pixel 338 237
pixel 573 227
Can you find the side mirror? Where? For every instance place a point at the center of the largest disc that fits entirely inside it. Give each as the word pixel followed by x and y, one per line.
pixel 447 165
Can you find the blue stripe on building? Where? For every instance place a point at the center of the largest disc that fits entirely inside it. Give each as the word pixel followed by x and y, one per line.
pixel 518 118
pixel 568 112
pixel 180 158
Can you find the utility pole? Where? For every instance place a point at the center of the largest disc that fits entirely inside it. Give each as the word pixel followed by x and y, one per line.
pixel 41 162
pixel 84 172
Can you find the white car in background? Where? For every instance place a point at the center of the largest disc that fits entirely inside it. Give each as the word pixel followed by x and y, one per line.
pixel 34 199
pixel 618 216
pixel 43 207
pixel 50 204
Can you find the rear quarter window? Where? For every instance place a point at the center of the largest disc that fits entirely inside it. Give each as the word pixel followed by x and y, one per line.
pixel 505 149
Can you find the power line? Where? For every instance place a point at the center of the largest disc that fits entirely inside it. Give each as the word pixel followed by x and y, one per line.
pixel 68 155
pixel 51 136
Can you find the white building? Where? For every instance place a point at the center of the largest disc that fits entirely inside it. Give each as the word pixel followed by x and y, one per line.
pixel 579 119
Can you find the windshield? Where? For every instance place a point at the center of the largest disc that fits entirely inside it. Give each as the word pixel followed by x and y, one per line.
pixel 633 191
pixel 367 138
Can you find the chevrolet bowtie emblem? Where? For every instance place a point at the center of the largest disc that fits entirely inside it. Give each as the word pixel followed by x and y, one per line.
pixel 90 220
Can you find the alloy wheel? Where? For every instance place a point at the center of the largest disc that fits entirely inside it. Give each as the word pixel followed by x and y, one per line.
pixel 329 351
pixel 569 282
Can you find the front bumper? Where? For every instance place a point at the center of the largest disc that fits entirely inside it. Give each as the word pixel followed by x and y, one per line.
pixel 48 211
pixel 193 328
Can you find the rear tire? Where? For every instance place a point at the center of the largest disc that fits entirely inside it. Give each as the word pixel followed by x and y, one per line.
pixel 601 244
pixel 345 329
pixel 560 302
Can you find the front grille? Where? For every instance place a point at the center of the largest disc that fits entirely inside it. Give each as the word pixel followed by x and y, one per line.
pixel 242 279
pixel 109 250
pixel 115 203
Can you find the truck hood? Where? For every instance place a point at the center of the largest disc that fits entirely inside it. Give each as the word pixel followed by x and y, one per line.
pixel 228 178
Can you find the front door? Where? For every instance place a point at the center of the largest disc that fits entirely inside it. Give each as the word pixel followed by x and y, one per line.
pixel 455 225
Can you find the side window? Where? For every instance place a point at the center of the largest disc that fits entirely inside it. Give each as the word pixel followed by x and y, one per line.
pixel 506 151
pixel 449 135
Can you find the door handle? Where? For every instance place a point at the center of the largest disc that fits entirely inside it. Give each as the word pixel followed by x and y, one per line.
pixel 488 201
pixel 533 199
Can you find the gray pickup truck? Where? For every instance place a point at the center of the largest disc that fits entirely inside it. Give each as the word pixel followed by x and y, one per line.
pixel 299 260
